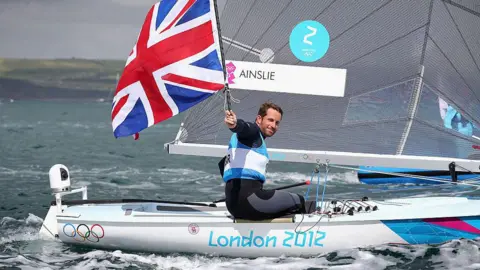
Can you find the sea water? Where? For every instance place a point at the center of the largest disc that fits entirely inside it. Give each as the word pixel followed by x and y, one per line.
pixel 34 135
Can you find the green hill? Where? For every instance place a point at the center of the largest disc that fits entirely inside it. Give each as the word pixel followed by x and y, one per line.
pixel 64 73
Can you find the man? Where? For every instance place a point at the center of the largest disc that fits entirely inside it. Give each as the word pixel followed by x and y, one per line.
pixel 245 168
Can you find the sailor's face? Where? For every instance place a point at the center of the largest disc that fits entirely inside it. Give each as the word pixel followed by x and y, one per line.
pixel 270 122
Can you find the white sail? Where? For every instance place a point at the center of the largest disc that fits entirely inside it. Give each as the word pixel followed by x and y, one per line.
pixel 401 58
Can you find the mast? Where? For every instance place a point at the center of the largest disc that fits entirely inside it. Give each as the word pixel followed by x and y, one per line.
pixel 412 110
pixel 219 37
pixel 226 89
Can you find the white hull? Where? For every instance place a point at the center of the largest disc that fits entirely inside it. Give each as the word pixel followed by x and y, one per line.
pixel 161 227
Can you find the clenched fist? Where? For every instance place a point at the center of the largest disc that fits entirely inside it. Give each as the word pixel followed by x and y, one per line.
pixel 230 119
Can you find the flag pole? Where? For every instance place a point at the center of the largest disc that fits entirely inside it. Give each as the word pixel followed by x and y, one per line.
pixel 226 89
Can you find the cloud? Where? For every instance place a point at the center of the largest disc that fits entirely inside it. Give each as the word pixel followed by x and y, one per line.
pixel 94 29
pixel 141 3
pixel 67 28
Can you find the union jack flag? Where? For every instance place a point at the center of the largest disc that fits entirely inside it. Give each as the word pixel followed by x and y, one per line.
pixel 174 65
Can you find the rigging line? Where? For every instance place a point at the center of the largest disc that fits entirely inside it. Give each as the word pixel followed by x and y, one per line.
pixel 308 188
pixel 404 189
pixel 189 125
pixel 383 46
pixel 203 133
pixel 199 128
pixel 447 131
pixel 461 35
pixel 361 20
pixel 212 119
pixel 463 168
pixel 207 113
pixel 407 175
pixel 43 225
pixel 400 174
pixel 240 27
pixel 268 28
pixel 318 186
pixel 204 110
pixel 456 70
pixel 440 189
pixel 324 186
pixel 473 12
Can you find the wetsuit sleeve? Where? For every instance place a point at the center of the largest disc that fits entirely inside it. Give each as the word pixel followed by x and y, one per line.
pixel 248 133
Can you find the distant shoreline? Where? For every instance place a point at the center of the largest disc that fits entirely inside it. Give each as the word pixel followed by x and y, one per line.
pixel 59 79
pixel 24 90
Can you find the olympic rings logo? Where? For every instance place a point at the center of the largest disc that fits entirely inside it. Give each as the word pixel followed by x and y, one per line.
pixel 83 233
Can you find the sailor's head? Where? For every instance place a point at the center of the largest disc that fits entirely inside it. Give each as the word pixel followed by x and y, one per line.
pixel 268 118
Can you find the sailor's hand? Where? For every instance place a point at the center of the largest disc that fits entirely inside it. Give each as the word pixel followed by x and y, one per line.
pixel 230 119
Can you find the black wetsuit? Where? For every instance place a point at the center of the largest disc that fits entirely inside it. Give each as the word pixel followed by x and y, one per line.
pixel 246 198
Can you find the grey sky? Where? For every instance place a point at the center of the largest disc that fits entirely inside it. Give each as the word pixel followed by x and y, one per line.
pixel 105 29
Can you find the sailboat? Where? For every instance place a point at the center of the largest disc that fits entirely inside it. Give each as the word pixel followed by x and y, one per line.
pixel 452 120
pixel 359 83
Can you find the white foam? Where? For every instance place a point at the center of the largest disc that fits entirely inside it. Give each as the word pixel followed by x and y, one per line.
pixel 459 254
pixel 79 125
pixel 142 185
pixel 297 177
pixel 12 230
pixel 16 125
pixel 8 171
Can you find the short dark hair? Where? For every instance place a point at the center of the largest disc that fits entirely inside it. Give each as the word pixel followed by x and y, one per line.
pixel 269 105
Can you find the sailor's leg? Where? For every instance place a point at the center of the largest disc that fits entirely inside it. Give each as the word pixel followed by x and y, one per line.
pixel 232 193
pixel 267 204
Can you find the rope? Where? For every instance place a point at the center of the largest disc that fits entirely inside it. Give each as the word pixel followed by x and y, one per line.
pixel 407 175
pixel 318 185
pixel 46 228
pixel 324 187
pixel 308 188
pixel 227 105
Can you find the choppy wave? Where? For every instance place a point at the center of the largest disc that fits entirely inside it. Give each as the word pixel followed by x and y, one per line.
pixel 333 179
pixel 19 230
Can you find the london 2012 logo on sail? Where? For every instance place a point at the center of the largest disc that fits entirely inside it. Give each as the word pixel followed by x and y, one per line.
pixel 309 41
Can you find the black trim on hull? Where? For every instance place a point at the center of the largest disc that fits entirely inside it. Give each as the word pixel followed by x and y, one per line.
pixel 80 202
pixel 425 173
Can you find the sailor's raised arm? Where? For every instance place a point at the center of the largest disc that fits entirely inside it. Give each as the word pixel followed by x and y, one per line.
pixel 243 129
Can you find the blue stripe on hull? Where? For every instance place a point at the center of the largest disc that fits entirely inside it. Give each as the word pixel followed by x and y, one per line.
pixel 366 176
pixel 410 180
pixel 417 231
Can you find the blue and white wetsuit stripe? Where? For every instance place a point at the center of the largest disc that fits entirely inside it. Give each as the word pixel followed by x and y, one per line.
pixel 246 162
